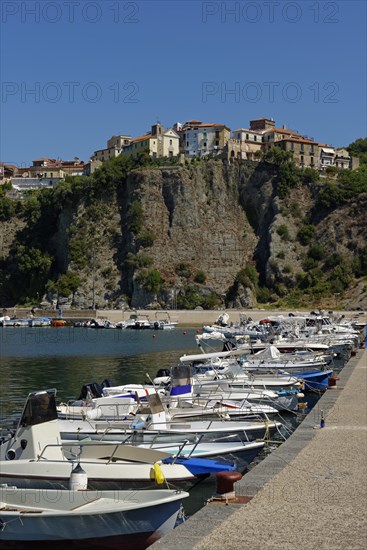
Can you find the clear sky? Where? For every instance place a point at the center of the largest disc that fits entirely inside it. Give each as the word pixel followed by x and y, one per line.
pixel 76 72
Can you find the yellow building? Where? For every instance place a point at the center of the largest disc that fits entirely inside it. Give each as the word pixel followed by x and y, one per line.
pixel 158 143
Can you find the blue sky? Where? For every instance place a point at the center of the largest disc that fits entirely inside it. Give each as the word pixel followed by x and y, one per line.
pixel 75 73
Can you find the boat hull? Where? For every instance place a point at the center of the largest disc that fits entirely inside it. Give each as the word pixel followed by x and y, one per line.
pixel 316 380
pixel 136 528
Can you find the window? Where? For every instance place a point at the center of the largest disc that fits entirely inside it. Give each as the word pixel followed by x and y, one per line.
pixel 187 144
pixel 292 146
pixel 311 149
pixel 217 134
pixel 302 148
pixel 217 143
pixel 204 143
pixel 255 138
pixel 312 163
pixel 239 136
pixel 247 136
pixel 170 154
pixel 301 159
pixel 170 141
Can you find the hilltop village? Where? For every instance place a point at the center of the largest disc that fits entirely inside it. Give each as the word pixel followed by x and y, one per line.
pixel 193 139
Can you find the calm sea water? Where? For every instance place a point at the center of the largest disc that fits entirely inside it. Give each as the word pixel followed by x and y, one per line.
pixel 66 358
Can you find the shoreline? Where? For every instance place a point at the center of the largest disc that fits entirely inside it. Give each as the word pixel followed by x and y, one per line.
pixel 314 478
pixel 185 318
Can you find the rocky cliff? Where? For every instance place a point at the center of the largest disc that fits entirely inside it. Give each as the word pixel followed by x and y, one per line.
pixel 205 234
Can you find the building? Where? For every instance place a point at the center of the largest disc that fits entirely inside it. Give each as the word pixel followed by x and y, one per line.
pixel 115 146
pixel 327 156
pixel 305 151
pixel 158 143
pixel 31 184
pixel 198 139
pixel 343 160
pixel 245 144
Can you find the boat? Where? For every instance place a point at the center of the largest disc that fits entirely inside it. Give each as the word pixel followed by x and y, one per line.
pixel 84 519
pixel 58 323
pixel 34 456
pixel 163 321
pixel 136 321
pixel 15 322
pixel 156 423
pixel 312 368
pixel 40 322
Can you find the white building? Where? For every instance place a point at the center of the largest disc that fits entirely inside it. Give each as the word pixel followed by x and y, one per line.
pixel 200 139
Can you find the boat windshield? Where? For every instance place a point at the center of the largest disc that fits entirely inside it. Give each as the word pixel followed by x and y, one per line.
pixel 39 408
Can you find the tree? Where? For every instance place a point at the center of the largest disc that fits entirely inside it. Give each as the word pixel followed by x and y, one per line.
pixel 32 267
pixel 276 155
pixel 359 149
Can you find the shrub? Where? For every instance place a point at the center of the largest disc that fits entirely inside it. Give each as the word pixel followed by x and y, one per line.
pixel 137 217
pixel 150 280
pixel 246 274
pixel 200 277
pixel 306 234
pixel 263 295
pixel 139 260
pixel 316 251
pixel 283 232
pixel 146 238
pixel 309 175
pixel 183 270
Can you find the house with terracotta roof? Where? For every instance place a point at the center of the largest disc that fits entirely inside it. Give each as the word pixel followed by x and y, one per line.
pixel 305 151
pixel 200 139
pixel 158 143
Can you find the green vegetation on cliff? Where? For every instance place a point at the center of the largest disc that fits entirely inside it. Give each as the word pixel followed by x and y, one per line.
pixel 204 235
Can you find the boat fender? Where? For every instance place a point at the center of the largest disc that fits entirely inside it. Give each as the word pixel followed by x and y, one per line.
pixel 10 454
pixel 158 474
pixel 91 414
pixel 299 395
pixel 78 480
pixel 138 425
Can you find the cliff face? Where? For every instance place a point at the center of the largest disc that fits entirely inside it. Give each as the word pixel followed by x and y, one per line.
pixel 165 233
pixel 196 218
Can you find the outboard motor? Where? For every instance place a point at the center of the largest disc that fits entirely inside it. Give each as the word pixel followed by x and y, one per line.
pixel 108 383
pixel 92 389
pixel 163 372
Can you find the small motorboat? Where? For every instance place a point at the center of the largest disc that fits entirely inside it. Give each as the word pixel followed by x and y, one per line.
pixel 34 456
pixel 83 519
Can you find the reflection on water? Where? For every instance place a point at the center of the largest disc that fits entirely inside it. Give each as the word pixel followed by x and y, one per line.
pixel 65 359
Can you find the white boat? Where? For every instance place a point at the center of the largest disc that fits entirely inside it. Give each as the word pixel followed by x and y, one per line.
pixel 136 321
pixel 85 519
pixel 163 321
pixel 34 456
pixel 159 424
pixel 40 322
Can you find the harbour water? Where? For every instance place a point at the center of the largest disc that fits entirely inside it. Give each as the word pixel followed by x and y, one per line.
pixel 66 358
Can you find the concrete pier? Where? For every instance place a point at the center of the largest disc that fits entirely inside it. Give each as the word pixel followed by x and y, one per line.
pixel 311 492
